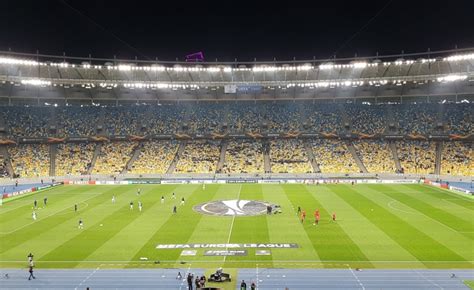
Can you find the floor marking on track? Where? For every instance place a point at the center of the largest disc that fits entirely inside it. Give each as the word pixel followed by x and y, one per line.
pixel 184 278
pixel 256 272
pixel 87 278
pixel 357 278
pixel 426 279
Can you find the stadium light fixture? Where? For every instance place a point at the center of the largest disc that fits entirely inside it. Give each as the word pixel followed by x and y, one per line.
pixel 459 57
pixel 123 67
pixel 452 78
pixel 359 65
pixel 35 82
pixel 14 61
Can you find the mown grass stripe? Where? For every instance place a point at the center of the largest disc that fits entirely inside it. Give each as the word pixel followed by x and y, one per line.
pixel 247 229
pixel 413 240
pixel 43 225
pixel 279 225
pixel 114 220
pixel 13 210
pixel 179 227
pixel 444 217
pixel 123 245
pixel 20 218
pixel 435 230
pixel 422 193
pixel 329 240
pixel 373 242
pixel 453 197
pixel 214 229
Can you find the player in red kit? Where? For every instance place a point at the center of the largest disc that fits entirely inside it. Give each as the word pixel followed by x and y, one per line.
pixel 316 220
pixel 333 216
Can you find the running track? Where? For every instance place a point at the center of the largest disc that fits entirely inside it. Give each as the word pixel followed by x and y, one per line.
pixel 267 279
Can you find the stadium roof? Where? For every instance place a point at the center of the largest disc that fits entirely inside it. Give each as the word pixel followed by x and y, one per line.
pixel 46 77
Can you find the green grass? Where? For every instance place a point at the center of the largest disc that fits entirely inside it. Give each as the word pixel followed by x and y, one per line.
pixel 469 283
pixel 378 226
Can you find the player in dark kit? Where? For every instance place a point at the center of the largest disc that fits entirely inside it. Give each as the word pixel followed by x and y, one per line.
pixel 75 207
pixel 35 203
pixel 333 216
pixel 174 209
pixel 299 209
pixel 45 200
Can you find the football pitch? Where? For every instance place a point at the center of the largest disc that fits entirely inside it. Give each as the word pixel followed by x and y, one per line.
pixel 377 226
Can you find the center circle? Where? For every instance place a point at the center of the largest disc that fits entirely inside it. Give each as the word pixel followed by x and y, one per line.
pixel 233 207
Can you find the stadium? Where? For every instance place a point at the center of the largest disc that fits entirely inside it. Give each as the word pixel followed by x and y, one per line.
pixel 323 173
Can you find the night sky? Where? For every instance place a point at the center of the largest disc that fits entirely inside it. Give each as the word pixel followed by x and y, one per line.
pixel 234 29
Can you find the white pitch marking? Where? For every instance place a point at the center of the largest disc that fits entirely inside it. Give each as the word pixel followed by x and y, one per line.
pixel 420 213
pixel 17 229
pixel 390 205
pixel 232 224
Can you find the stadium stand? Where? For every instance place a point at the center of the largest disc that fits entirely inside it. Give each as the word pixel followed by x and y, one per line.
pixel 113 157
pixel 457 159
pixel 30 160
pixel 376 156
pixel 199 157
pixel 202 118
pixel 243 156
pixel 417 156
pixel 27 121
pixel 245 118
pixel 333 156
pixel 78 121
pixel 289 156
pixel 3 167
pixel 74 158
pixel 155 157
pixel 459 118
